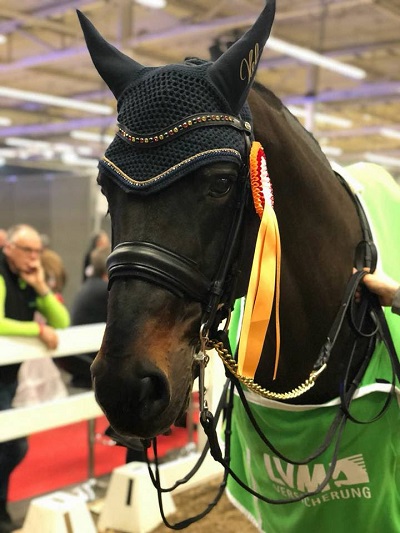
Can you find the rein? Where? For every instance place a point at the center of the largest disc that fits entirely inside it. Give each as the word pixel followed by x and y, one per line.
pixel 181 276
pixel 346 396
pixel 155 475
pixel 366 255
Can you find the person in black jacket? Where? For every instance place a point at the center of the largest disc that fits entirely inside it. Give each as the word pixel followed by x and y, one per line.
pixel 23 291
pixel 89 307
pixel 99 240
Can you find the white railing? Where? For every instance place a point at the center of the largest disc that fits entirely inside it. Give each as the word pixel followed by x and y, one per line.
pixel 22 421
pixel 72 341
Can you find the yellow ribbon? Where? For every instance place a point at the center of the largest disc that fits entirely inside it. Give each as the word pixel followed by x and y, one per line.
pixel 263 291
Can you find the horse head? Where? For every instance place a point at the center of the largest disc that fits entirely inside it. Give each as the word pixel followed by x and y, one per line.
pixel 175 180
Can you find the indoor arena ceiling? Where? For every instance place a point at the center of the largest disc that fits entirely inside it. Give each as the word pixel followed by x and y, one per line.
pixel 354 114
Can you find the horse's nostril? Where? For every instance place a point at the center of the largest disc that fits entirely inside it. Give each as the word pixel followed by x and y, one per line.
pixel 145 390
pixel 153 396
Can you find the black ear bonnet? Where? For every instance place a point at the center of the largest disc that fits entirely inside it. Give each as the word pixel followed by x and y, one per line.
pixel 175 118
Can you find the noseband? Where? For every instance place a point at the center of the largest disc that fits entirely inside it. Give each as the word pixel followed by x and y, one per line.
pixel 155 264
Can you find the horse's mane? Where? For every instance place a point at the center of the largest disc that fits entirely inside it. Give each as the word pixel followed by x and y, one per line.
pixel 291 121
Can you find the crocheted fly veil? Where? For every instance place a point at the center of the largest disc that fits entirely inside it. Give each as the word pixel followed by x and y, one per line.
pixel 175 118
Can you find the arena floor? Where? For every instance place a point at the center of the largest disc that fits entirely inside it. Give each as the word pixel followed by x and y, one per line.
pixel 224 518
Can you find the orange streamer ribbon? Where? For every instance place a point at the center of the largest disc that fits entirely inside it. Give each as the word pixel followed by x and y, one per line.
pixel 264 285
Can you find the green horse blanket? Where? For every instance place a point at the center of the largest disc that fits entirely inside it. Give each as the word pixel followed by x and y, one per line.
pixel 363 493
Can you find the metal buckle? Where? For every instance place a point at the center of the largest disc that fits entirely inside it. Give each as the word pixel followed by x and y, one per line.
pixel 202 360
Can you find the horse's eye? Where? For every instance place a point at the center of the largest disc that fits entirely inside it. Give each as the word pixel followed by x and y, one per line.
pixel 220 186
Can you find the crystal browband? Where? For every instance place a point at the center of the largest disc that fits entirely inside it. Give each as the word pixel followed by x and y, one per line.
pixel 189 123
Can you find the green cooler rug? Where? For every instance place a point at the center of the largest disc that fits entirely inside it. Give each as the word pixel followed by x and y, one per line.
pixel 363 494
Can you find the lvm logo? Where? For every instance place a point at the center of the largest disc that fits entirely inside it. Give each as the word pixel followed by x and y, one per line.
pixel 349 479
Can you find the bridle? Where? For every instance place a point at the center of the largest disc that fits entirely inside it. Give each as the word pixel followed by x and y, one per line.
pixel 180 275
pixel 365 256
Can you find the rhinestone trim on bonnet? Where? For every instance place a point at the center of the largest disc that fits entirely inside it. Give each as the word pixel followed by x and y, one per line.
pixel 207 155
pixel 166 126
pixel 191 122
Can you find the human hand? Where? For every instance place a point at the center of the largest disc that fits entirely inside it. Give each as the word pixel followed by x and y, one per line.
pixel 48 336
pixel 34 276
pixel 382 285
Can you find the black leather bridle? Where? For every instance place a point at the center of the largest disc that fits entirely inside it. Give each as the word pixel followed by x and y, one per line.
pixel 180 275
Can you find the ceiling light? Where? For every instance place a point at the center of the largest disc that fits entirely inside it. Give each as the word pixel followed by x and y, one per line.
pixel 382 159
pixel 73 159
pixel 309 56
pixel 91 136
pixel 25 143
pixel 5 121
pixel 322 117
pixel 155 4
pixel 391 134
pixel 8 152
pixel 3 38
pixel 332 150
pixel 57 101
pixel 84 150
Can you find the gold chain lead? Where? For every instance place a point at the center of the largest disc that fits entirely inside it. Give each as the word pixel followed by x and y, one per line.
pixel 232 365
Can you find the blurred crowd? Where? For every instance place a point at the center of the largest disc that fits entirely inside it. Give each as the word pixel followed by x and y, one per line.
pixel 32 282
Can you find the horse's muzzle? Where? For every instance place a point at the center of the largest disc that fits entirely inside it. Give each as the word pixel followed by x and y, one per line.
pixel 134 403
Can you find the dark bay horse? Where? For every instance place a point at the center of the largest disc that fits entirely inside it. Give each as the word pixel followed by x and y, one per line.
pixel 184 230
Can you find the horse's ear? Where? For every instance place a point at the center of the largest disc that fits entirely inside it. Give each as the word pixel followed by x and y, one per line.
pixel 234 71
pixel 117 69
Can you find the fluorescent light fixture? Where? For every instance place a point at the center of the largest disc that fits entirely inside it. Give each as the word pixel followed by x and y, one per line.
pixel 8 153
pixel 57 101
pixel 90 136
pixel 332 150
pixel 3 38
pixel 309 56
pixel 5 121
pixel 382 159
pixel 32 146
pixel 73 159
pixel 84 150
pixel 390 133
pixel 26 143
pixel 322 117
pixel 25 148
pixel 155 4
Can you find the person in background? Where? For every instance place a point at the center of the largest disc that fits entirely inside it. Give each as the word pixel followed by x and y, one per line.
pixel 45 241
pixel 89 307
pixel 23 292
pixel 100 240
pixel 3 238
pixel 386 288
pixel 55 273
